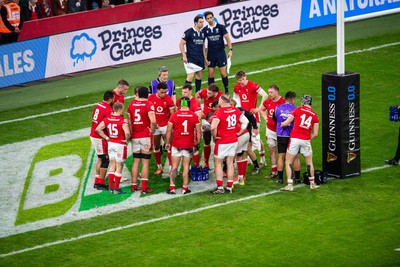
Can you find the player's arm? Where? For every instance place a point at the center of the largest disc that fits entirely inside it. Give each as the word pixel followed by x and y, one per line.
pixel 171 110
pixel 288 121
pixel 130 122
pixel 263 94
pixel 228 43
pixel 198 134
pixel 214 126
pixel 127 132
pixel 261 108
pixel 199 114
pixel 182 49
pixel 198 97
pixel 99 130
pixel 205 55
pixel 243 124
pixel 314 132
pixel 168 136
pixel 153 122
pixel 174 96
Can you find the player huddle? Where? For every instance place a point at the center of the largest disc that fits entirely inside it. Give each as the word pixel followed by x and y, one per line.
pixel 229 123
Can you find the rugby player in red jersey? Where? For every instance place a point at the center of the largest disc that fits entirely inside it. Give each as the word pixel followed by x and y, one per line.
pixel 208 95
pixel 196 108
pixel 183 134
pixel 164 107
pixel 224 132
pixel 142 122
pixel 118 134
pixel 269 106
pixel 246 94
pixel 120 91
pixel 100 112
pixel 305 128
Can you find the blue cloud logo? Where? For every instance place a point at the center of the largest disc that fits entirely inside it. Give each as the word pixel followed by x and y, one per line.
pixel 82 47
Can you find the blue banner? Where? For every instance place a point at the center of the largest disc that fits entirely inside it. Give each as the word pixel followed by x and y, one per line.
pixel 316 13
pixel 23 62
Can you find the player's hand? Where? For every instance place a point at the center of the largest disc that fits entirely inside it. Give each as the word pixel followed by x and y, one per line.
pixel 283 125
pixel 230 53
pixel 254 110
pixel 167 147
pixel 184 59
pixel 196 147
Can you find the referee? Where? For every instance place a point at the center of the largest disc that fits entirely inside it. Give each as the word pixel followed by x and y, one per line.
pixel 216 57
pixel 194 58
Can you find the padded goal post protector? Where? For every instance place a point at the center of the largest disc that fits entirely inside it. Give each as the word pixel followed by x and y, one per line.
pixel 341 124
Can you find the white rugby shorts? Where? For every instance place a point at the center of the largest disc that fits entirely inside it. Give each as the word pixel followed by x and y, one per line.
pixel 100 145
pixel 225 150
pixel 272 139
pixel 117 152
pixel 243 141
pixel 160 130
pixel 191 68
pixel 181 152
pixel 139 145
pixel 296 145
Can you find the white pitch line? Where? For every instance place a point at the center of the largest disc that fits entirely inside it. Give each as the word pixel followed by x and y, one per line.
pixel 232 76
pixel 397 249
pixel 376 168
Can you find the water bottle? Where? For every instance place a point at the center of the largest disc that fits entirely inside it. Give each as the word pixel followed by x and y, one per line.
pixel 391 113
pixel 396 114
pixel 204 174
pixel 200 174
pixel 195 173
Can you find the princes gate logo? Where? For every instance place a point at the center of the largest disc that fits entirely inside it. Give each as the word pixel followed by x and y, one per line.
pixel 248 19
pixel 128 42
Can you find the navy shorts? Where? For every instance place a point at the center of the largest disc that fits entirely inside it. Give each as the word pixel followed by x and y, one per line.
pixel 217 59
pixel 283 143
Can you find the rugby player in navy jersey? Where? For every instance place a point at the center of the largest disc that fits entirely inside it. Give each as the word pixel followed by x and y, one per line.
pixel 194 57
pixel 215 34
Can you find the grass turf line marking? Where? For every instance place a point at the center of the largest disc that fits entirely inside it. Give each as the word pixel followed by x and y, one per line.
pixel 218 79
pixel 160 219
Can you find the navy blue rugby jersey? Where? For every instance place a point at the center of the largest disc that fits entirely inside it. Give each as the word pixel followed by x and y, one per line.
pixel 215 37
pixel 194 45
